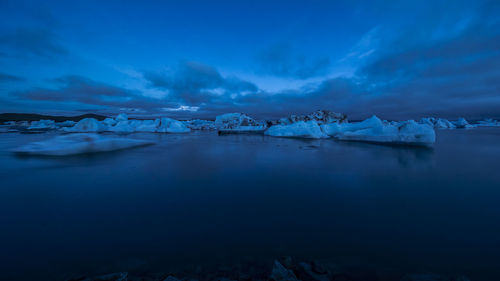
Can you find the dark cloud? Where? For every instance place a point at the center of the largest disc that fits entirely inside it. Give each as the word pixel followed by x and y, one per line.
pixel 40 42
pixel 9 78
pixel 280 60
pixel 195 83
pixel 85 91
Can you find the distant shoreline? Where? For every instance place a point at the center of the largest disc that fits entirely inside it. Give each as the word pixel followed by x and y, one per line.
pixel 4 117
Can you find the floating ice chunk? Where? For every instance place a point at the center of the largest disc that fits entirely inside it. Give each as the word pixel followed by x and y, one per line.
pixel 147 125
pixel 234 120
pixel 320 116
pixel 199 124
pixel 168 125
pixel 67 123
pixel 462 123
pixel 438 123
pixel 488 123
pixel 409 132
pixel 123 127
pixel 109 122
pixel 121 117
pixel 336 128
pixel 79 143
pixel 299 129
pixel 86 125
pixel 42 124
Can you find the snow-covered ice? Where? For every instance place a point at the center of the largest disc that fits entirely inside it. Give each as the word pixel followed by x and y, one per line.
pixel 334 129
pixel 87 125
pixel 235 120
pixel 71 144
pixel 488 123
pixel 42 125
pixel 408 132
pixel 67 123
pixel 375 130
pixel 169 125
pixel 438 123
pixel 462 123
pixel 320 116
pixel 199 124
pixel 300 129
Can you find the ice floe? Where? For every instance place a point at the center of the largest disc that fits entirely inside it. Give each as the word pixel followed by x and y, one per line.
pixel 71 144
pixel 301 129
pixel 408 132
pixel 438 123
pixel 488 123
pixel 462 123
pixel 42 125
pixel 87 125
pixel 199 124
pixel 169 125
pixel 320 116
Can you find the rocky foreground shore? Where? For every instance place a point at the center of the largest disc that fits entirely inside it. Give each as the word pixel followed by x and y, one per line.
pixel 282 269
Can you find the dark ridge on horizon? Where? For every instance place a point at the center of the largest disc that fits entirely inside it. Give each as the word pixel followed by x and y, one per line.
pixel 4 117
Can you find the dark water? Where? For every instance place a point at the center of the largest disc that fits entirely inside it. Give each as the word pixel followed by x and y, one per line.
pixel 205 199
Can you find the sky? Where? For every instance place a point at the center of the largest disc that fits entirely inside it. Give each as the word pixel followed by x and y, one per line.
pixel 395 59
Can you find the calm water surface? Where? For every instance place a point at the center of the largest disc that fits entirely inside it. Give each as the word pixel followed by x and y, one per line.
pixel 204 199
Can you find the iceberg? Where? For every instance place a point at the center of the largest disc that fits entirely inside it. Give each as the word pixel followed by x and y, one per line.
pixel 488 123
pixel 42 125
pixel 169 125
pixel 462 123
pixel 320 116
pixel 87 125
pixel 409 132
pixel 437 123
pixel 121 117
pixel 109 122
pixel 199 124
pixel 149 126
pixel 72 144
pixel 335 128
pixel 235 120
pixel 300 129
pixel 67 123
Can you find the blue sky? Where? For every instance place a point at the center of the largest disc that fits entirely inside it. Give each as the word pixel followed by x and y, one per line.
pixel 396 59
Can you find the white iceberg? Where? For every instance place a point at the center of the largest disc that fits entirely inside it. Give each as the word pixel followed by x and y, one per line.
pixel 109 122
pixel 123 127
pixel 67 123
pixel 437 123
pixel 488 123
pixel 72 144
pixel 320 116
pixel 409 132
pixel 169 125
pixel 150 126
pixel 121 117
pixel 462 123
pixel 334 129
pixel 235 120
pixel 199 124
pixel 300 129
pixel 42 125
pixel 87 125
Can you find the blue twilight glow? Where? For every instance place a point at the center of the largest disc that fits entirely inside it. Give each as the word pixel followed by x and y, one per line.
pixel 397 59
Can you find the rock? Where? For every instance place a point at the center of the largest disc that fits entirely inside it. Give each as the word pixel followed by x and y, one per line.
pixel 280 273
